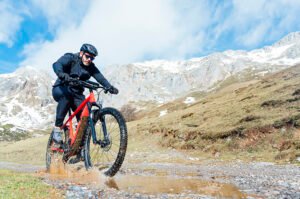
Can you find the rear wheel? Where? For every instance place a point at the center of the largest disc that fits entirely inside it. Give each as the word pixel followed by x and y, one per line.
pixel 54 153
pixel 49 152
pixel 106 155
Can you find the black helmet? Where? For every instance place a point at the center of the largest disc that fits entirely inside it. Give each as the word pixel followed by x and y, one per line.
pixel 89 49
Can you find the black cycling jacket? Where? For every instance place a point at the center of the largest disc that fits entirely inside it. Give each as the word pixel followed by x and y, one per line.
pixel 71 64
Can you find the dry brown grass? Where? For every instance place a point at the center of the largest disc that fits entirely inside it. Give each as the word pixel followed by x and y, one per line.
pixel 29 151
pixel 247 114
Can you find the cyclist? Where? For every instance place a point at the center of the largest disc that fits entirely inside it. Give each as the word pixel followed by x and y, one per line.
pixel 79 65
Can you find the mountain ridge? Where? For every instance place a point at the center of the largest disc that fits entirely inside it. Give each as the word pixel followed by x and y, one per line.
pixel 180 77
pixel 26 98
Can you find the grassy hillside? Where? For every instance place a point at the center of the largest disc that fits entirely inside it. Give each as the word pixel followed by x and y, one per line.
pixel 255 116
pixel 257 119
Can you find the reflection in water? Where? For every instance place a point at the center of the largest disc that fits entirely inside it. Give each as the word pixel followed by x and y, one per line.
pixel 143 184
pixel 173 185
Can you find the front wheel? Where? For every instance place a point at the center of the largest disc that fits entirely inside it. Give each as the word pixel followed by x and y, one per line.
pixel 107 154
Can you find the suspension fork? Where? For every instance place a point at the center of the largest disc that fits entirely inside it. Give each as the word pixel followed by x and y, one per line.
pixel 103 124
pixel 106 141
pixel 91 123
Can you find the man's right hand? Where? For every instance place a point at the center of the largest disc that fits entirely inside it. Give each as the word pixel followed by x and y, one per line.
pixel 64 76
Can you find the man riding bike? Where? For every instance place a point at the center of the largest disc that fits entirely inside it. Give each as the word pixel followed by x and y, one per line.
pixel 80 66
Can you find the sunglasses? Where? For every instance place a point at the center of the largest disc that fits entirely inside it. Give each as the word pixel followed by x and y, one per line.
pixel 89 57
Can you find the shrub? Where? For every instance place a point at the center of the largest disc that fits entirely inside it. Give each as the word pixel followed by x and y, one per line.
pixel 249 118
pixel 297 92
pixel 129 112
pixel 273 103
pixel 292 121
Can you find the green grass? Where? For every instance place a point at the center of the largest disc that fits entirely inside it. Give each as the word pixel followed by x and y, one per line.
pixel 23 185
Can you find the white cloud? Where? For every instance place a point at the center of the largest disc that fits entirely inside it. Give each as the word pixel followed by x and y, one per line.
pixel 60 14
pixel 134 30
pixel 10 20
pixel 255 34
pixel 260 20
pixel 128 31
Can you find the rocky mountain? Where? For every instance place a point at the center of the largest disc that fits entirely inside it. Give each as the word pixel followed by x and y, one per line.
pixel 166 80
pixel 26 100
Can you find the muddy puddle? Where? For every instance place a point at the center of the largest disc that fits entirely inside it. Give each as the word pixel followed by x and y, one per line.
pixel 144 184
pixel 172 185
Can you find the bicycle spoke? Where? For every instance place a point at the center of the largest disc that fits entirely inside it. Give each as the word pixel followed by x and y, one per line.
pixel 117 145
pixel 116 136
pixel 96 154
pixel 99 156
pixel 107 157
pixel 114 127
pixel 111 152
pixel 93 148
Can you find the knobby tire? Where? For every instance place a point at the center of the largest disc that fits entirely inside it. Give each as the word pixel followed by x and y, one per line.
pixel 88 141
pixel 48 152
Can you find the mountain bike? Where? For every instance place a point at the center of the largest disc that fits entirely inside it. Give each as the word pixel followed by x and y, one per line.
pixel 99 139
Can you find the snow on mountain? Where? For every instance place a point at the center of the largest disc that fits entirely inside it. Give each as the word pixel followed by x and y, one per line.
pixel 26 99
pixel 162 81
pixel 189 100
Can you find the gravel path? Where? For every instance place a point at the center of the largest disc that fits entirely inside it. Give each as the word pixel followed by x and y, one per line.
pixel 265 179
pixel 202 179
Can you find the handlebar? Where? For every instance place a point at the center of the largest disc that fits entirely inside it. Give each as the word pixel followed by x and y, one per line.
pixel 86 84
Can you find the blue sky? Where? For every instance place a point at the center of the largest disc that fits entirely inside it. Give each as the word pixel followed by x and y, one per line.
pixel 37 32
pixel 29 29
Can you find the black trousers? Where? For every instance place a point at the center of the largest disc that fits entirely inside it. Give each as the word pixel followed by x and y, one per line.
pixel 66 99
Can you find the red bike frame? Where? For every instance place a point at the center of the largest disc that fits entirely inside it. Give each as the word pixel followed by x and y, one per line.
pixel 78 140
pixel 85 113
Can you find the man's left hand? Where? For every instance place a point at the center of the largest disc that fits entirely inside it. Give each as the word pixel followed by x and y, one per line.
pixel 113 90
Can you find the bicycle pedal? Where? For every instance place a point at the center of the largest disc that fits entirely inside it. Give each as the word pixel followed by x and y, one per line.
pixel 60 150
pixel 74 160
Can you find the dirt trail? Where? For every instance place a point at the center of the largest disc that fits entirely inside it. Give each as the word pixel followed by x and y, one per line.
pixel 173 175
pixel 20 167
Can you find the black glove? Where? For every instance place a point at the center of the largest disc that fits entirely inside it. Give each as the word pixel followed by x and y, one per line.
pixel 64 76
pixel 113 90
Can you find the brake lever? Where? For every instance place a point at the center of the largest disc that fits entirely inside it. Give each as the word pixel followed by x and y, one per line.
pixel 74 82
